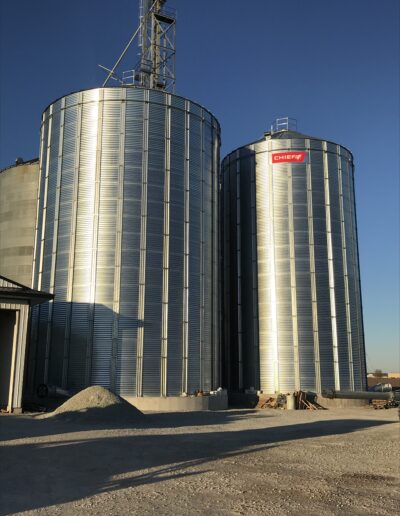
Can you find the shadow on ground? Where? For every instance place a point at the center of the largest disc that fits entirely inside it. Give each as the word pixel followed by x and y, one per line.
pixel 41 474
pixel 20 427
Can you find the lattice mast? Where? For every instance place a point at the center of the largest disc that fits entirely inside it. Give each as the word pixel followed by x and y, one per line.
pixel 156 41
pixel 157 45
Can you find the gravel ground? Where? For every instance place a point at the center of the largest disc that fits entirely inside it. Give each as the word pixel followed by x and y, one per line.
pixel 341 461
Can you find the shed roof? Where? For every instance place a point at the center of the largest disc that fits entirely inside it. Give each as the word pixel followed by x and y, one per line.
pixel 12 292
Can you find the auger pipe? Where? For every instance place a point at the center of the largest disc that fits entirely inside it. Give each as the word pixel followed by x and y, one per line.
pixel 358 395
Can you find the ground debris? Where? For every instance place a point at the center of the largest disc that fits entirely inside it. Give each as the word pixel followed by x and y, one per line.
pixel 303 401
pixel 274 402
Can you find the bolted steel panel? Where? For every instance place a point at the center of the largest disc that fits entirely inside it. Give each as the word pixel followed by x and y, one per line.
pixel 126 221
pixel 309 329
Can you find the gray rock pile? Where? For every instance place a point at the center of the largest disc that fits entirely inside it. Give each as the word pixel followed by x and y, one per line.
pixel 97 405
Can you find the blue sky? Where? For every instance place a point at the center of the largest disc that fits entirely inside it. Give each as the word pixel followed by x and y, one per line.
pixel 334 66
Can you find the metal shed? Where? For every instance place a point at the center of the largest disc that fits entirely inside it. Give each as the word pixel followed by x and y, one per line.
pixel 15 303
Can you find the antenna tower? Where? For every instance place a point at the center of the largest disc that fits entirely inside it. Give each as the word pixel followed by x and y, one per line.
pixel 156 41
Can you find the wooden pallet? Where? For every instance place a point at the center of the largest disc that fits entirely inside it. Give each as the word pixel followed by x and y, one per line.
pixel 303 403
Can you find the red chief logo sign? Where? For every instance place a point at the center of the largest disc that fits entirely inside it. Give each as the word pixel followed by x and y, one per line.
pixel 289 157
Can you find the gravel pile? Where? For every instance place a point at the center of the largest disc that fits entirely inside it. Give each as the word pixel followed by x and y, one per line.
pixel 97 405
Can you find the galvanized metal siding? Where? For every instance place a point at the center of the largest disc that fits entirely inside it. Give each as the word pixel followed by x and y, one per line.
pixel 17 366
pixel 306 280
pixel 18 207
pixel 128 243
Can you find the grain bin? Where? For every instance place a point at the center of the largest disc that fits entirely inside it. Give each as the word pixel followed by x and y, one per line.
pixel 18 205
pixel 127 240
pixel 291 281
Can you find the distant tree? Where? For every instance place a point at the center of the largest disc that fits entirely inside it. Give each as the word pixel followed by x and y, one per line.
pixel 378 373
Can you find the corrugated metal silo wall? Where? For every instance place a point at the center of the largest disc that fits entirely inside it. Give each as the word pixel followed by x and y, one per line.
pixel 128 242
pixel 18 205
pixel 290 251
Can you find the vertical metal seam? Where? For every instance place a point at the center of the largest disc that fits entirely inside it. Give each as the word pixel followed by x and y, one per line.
pixel 226 192
pixel 142 261
pixel 118 245
pixel 185 329
pixel 71 255
pixel 239 273
pixel 96 219
pixel 254 273
pixel 165 284
pixel 215 256
pixel 35 278
pixel 202 250
pixel 345 273
pixel 20 357
pixel 292 261
pixel 357 292
pixel 44 213
pixel 360 316
pixel 219 365
pixel 37 241
pixel 55 242
pixel 331 273
pixel 314 301
pixel 45 193
pixel 16 344
pixel 274 315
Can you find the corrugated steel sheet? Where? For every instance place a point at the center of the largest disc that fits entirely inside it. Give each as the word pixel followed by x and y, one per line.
pixel 127 242
pixel 301 271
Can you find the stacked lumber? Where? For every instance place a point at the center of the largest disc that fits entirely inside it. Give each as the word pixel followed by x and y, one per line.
pixel 274 402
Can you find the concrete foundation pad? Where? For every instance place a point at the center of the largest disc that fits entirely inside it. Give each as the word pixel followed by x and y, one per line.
pixel 250 400
pixel 243 399
pixel 340 403
pixel 179 403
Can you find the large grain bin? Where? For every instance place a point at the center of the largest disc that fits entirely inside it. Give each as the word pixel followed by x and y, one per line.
pixel 292 302
pixel 127 240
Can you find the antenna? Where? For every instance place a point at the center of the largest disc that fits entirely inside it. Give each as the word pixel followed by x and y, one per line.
pixel 156 42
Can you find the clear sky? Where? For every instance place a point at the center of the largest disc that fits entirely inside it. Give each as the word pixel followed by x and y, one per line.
pixel 332 65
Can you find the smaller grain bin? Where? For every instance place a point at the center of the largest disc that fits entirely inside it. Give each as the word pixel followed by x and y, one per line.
pixel 18 206
pixel 292 313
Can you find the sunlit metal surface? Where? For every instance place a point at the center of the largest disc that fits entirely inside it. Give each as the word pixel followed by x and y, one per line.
pixel 298 270
pixel 127 240
pixel 18 205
